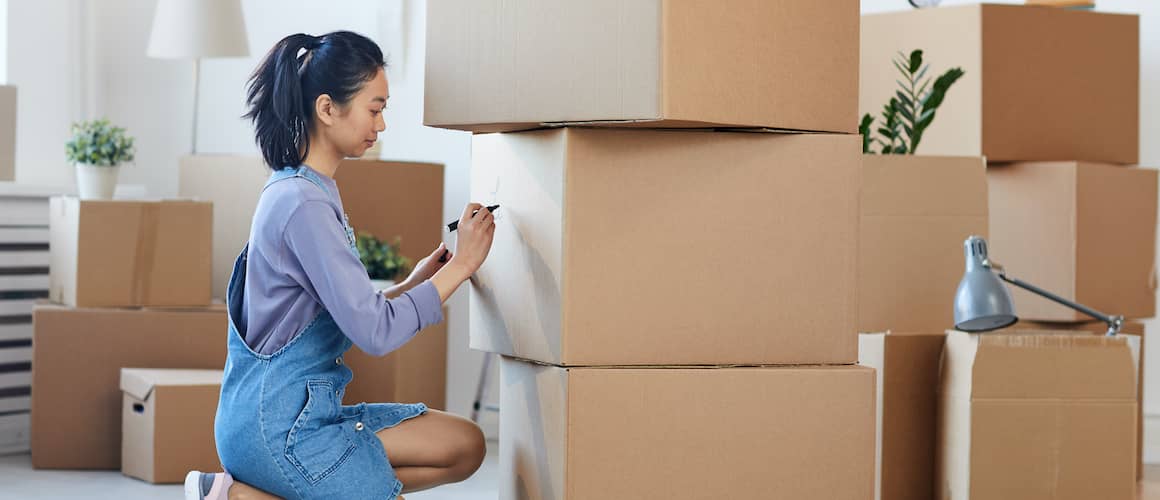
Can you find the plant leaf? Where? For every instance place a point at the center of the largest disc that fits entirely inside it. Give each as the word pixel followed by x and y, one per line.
pixel 921 73
pixel 864 130
pixel 902 70
pixel 904 99
pixel 915 60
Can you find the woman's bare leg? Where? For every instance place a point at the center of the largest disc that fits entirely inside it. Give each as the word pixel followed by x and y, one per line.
pixel 433 449
pixel 242 491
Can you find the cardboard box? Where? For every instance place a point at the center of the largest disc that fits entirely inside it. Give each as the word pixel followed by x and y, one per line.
pixel 916 213
pixel 391 198
pixel 7 133
pixel 630 247
pixel 1083 231
pixel 167 419
pixel 502 66
pixel 77 359
pixel 1130 328
pixel 907 402
pixel 1023 96
pixel 130 253
pixel 663 433
pixel 1035 416
pixel 416 373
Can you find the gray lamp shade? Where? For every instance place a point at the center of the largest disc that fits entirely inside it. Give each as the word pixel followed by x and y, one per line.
pixel 191 29
pixel 982 302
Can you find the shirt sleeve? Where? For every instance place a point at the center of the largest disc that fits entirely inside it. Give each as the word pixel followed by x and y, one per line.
pixel 337 279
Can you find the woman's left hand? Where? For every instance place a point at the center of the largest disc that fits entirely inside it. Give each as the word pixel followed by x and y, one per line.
pixel 430 264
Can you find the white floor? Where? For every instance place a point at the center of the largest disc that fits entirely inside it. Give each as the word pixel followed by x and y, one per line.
pixel 18 480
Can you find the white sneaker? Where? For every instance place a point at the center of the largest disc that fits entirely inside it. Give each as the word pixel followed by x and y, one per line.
pixel 207 485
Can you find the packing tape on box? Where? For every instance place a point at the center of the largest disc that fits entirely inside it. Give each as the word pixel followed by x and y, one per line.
pixel 146 250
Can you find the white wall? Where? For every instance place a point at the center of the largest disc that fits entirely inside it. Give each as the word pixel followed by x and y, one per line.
pixel 1149 11
pixel 90 62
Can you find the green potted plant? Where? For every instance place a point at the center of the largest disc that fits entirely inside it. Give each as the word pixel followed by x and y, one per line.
pixel 98 149
pixel 384 261
pixel 911 110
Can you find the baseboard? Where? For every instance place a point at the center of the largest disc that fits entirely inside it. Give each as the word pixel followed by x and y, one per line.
pixel 1152 439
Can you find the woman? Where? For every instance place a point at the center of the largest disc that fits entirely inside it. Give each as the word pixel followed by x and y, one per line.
pixel 299 298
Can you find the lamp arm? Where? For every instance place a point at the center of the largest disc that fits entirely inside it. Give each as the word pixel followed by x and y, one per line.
pixel 1114 322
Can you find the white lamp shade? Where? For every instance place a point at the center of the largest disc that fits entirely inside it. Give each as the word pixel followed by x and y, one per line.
pixel 188 29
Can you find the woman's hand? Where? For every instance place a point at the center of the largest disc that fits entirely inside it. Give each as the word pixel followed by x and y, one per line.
pixel 476 231
pixel 428 266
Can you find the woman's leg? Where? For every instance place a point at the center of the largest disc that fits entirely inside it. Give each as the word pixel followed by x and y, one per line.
pixel 242 491
pixel 433 449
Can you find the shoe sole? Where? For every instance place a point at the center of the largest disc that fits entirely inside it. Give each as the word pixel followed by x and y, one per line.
pixel 193 486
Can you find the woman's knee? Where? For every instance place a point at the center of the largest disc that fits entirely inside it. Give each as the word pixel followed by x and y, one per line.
pixel 471 451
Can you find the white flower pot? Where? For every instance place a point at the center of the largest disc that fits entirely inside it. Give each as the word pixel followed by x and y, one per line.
pixel 96 182
pixel 382 284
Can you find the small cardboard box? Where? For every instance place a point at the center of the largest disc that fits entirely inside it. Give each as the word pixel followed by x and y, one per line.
pixel 130 253
pixel 77 358
pixel 1083 231
pixel 513 65
pixel 916 213
pixel 7 133
pixel 634 247
pixel 1037 416
pixel 907 402
pixel 167 419
pixel 1040 83
pixel 665 433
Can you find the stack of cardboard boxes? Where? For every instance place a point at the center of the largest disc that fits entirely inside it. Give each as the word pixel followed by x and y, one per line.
pixel 130 288
pixel 1050 100
pixel 675 308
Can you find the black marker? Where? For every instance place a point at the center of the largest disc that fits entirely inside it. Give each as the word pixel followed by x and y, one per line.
pixel 453 225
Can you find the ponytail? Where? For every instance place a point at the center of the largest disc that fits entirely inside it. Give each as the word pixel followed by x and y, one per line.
pixel 282 91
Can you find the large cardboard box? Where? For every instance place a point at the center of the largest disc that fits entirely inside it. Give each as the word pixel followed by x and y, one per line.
pixel 77 359
pixel 663 433
pixel 1131 329
pixel 1037 416
pixel 916 213
pixel 415 373
pixel 1083 231
pixel 629 247
pixel 167 419
pixel 907 410
pixel 1024 96
pixel 130 253
pixel 502 66
pixel 7 133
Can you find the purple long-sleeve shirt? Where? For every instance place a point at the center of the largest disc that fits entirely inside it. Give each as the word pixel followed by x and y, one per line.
pixel 300 262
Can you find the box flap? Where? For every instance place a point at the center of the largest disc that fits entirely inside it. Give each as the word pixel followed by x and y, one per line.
pixel 1053 366
pixel 140 382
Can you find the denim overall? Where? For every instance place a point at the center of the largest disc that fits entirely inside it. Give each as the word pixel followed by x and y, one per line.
pixel 281 426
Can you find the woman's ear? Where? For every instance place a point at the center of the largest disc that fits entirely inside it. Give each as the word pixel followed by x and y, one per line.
pixel 325 109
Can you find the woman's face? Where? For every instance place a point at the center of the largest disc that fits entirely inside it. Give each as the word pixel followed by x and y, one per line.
pixel 357 125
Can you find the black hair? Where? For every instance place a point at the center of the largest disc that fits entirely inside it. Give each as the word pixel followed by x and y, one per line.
pixel 281 93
